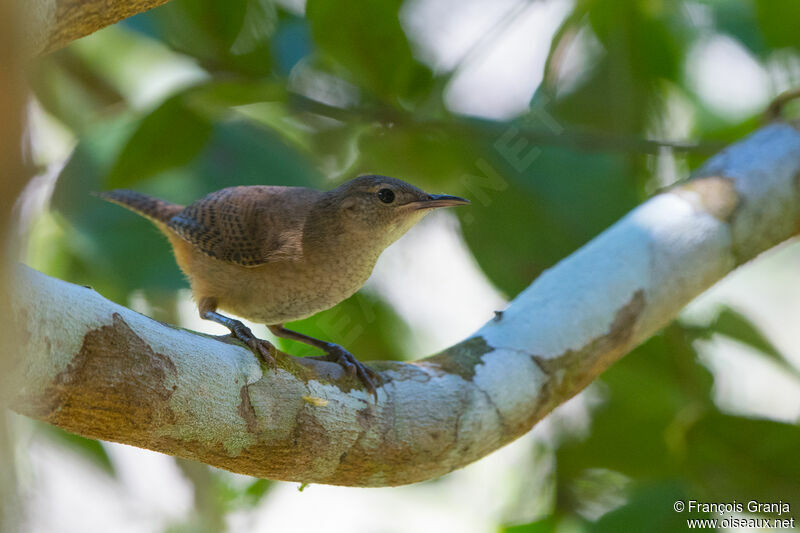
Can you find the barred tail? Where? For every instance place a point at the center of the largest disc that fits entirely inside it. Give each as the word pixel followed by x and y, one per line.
pixel 158 211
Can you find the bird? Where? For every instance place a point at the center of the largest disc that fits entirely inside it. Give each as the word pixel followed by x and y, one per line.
pixel 276 254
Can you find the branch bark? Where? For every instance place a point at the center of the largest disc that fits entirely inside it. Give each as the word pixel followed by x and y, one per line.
pixel 100 370
pixel 53 24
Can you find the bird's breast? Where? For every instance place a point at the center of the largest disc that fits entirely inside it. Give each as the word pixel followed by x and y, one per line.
pixel 282 291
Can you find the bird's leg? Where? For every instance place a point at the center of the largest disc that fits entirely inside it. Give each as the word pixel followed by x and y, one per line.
pixel 336 354
pixel 263 349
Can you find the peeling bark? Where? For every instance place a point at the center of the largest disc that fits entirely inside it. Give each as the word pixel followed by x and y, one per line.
pixel 115 384
pixel 100 370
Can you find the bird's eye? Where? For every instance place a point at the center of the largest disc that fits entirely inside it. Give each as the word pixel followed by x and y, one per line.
pixel 386 196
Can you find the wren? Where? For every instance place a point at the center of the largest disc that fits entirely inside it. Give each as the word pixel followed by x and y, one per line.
pixel 275 254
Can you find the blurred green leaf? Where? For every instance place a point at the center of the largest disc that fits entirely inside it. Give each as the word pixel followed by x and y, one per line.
pixel 652 398
pixel 650 508
pixel 365 38
pixel 643 36
pixel 259 21
pixel 169 137
pixel 212 493
pixel 72 89
pixel 658 422
pixel 561 200
pixel 177 131
pixel 89 162
pixel 738 327
pixel 643 43
pixel 440 158
pixel 778 22
pixel 87 448
pixel 545 525
pixel 228 36
pixel 103 244
pixel 243 153
pixel 256 492
pixel 737 18
pixel 216 97
pixel 735 458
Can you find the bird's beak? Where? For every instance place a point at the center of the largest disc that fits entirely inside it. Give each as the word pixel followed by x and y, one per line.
pixel 439 200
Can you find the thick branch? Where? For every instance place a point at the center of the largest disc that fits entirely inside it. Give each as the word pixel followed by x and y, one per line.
pixel 52 24
pixel 98 369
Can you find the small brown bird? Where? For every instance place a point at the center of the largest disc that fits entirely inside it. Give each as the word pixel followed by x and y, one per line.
pixel 277 254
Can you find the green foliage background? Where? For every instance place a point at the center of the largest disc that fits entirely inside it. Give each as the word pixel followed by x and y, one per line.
pixel 292 99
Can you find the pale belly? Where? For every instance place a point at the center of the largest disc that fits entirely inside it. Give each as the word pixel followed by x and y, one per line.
pixel 276 293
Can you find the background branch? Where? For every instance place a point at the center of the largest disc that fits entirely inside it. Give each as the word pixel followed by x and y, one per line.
pixel 15 176
pixel 95 368
pixel 53 24
pixel 490 129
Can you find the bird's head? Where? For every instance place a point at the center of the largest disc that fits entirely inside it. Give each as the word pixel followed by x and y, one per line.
pixel 384 207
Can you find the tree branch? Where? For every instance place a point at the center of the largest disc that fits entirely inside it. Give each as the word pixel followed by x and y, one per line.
pixel 492 129
pixel 53 24
pixel 95 368
pixel 15 177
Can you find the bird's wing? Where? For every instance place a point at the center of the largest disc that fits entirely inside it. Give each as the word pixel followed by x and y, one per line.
pixel 247 226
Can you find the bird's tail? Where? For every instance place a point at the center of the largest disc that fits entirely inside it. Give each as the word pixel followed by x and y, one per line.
pixel 155 209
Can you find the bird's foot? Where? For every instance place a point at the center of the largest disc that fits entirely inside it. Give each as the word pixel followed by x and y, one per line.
pixel 352 366
pixel 264 350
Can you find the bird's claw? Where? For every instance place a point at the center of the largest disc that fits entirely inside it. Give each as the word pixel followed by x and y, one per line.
pixel 264 350
pixel 354 367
